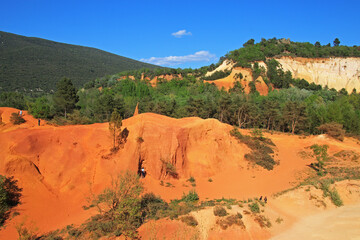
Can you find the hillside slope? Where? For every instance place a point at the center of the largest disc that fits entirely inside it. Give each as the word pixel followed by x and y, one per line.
pixel 335 72
pixel 28 63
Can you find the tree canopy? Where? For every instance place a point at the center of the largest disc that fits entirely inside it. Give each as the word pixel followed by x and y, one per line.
pixel 65 96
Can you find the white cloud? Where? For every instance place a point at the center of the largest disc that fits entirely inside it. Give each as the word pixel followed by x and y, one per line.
pixel 201 56
pixel 181 33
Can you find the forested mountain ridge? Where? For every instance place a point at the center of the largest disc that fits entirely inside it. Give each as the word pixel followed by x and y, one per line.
pixel 34 64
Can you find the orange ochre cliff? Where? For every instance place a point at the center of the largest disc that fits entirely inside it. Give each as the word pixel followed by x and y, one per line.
pixel 60 167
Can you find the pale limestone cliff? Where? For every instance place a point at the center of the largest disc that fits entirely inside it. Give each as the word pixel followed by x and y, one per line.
pixel 333 72
pixel 224 66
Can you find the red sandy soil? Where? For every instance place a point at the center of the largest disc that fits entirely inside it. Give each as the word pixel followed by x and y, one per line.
pixel 59 167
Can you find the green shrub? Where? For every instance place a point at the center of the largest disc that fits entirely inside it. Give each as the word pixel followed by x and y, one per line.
pixel 192 196
pixel 10 195
pixel 191 179
pixel 151 205
pixel 178 208
pixel 217 75
pixel 320 152
pixel 16 119
pixel 254 207
pixel 335 197
pixel 333 194
pixel 120 205
pixel 257 134
pixel 74 232
pixel 219 211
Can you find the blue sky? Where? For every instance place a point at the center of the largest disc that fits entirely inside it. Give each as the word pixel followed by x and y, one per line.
pixel 180 33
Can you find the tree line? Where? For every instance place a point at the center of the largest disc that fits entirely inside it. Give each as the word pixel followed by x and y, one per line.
pixel 270 48
pixel 289 109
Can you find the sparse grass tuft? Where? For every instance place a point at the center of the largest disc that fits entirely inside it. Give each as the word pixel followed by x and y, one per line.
pixel 279 220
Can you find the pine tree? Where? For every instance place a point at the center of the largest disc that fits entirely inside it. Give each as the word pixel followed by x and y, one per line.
pixel 294 113
pixel 115 128
pixel 65 96
pixel 336 42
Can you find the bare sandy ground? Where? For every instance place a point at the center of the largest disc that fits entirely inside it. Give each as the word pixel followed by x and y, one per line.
pixel 340 223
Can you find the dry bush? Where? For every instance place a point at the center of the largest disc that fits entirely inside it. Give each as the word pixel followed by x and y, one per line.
pixel 189 220
pixel 334 130
pixel 224 223
pixel 169 169
pixel 220 211
pixel 263 221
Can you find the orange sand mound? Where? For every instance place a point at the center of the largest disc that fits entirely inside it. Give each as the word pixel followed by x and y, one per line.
pixel 59 167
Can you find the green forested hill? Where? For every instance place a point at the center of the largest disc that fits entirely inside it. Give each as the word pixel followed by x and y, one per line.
pixel 28 63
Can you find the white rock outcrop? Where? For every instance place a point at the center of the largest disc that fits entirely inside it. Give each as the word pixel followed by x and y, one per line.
pixel 333 72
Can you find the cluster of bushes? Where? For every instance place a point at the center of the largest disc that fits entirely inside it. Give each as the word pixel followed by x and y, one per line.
pixel 10 194
pixel 324 185
pixel 228 221
pixel 220 211
pixel 260 148
pixel 263 221
pixel 122 212
pixel 321 155
pixel 122 209
pixel 16 119
pixel 254 207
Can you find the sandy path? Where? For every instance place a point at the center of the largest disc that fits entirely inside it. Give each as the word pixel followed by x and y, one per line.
pixel 340 223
